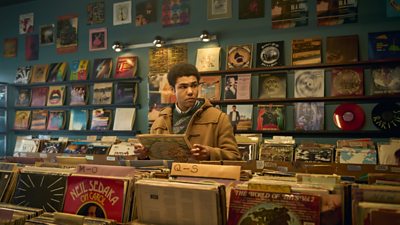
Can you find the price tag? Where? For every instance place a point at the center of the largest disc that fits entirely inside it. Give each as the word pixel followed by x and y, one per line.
pixel 110 158
pixel 204 170
pixel 89 157
pixel 111 139
pixel 91 138
pixel 381 168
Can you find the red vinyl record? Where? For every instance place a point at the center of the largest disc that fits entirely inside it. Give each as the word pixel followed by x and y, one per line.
pixel 349 117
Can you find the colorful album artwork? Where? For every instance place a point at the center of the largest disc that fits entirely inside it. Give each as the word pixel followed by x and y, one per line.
pixel 102 68
pixel 79 70
pixel 175 13
pixel 10 47
pixel 146 12
pixel 23 75
pixel 237 86
pixel 122 13
pixel 384 45
pixel 271 117
pixel 26 23
pixel 270 54
pixel 210 87
pixel 47 36
pixel 250 9
pixel 78 95
pixel 240 116
pixel 208 59
pixel 78 119
pixel 24 97
pixel 22 119
pixel 95 12
pixel 306 51
pixel 52 147
pixel 57 72
pixel 102 93
pixel 67 34
pixel 336 12
pixel 39 96
pixel 239 56
pixel 56 96
pixel 101 119
pixel 39 73
pixel 98 39
pixel 31 47
pixel 126 93
pixel 56 120
pixel 126 67
pixel 347 82
pixel 309 116
pixel 39 119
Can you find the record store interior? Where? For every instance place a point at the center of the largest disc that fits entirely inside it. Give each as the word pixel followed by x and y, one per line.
pixel 212 112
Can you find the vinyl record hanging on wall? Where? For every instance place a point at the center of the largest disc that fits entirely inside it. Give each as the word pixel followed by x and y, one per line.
pixel 386 116
pixel 349 117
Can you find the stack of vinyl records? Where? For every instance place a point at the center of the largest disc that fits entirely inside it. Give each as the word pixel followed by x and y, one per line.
pixel 15 214
pixel 8 179
pixel 356 151
pixel 279 148
pixel 64 218
pixel 314 153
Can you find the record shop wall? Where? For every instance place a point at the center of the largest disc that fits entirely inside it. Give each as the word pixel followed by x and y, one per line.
pixel 371 18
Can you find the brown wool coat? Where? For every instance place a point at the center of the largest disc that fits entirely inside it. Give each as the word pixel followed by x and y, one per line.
pixel 208 126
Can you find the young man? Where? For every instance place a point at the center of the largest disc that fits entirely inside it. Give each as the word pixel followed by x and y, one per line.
pixel 208 129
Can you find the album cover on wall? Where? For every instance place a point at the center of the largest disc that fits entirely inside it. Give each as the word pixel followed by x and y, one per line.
pixel 175 13
pixel 386 116
pixel 39 96
pixel 78 119
pixel 126 67
pixel 10 47
pixel 22 119
pixel 23 75
pixel 384 45
pixel 126 93
pixel 146 12
pixel 210 87
pixel 250 9
pixel 95 12
pixel 102 68
pixel 57 72
pixel 124 118
pixel 330 13
pixel 309 83
pixel 208 59
pixel 239 56
pixel 78 95
pixel 219 9
pixel 240 116
pixel 101 119
pixel 270 54
pixel 39 73
pixel 272 85
pixel 102 93
pixel 306 51
pixel 289 14
pixel 24 97
pixel 342 49
pixel 56 120
pixel 386 80
pixel 79 70
pixel 309 115
pixel 56 95
pixel 67 34
pixel 237 86
pixel 39 119
pixel 52 146
pixel 347 82
pixel 271 117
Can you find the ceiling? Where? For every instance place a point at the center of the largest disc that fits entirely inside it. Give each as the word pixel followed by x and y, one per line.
pixel 4 3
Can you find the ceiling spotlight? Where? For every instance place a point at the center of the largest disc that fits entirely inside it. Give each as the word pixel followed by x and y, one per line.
pixel 205 36
pixel 117 46
pixel 158 42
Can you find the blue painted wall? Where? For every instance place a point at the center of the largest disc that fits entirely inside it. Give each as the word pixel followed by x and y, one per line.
pixel 371 18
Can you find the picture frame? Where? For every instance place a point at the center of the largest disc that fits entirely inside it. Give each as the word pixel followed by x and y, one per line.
pixel 219 9
pixel 95 12
pixel 122 13
pixel 47 34
pixel 98 39
pixel 26 23
pixel 10 47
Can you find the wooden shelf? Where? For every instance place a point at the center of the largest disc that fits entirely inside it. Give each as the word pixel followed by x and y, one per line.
pixel 364 99
pixel 74 82
pixel 79 132
pixel 107 106
pixel 367 63
pixel 327 133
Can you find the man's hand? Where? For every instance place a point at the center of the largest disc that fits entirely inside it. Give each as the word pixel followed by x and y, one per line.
pixel 201 152
pixel 140 151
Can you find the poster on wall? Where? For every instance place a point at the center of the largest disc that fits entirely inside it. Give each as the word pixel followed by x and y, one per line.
pixel 335 12
pixel 249 9
pixel 146 12
pixel 26 23
pixel 175 12
pixel 67 34
pixel 219 9
pixel 32 47
pixel 122 13
pixel 393 8
pixel 10 47
pixel 289 13
pixel 95 12
pixel 97 39
pixel 47 34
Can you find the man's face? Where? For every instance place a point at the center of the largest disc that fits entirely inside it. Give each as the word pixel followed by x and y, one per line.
pixel 186 90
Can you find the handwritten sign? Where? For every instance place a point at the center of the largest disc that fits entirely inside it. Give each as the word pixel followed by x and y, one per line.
pixel 204 170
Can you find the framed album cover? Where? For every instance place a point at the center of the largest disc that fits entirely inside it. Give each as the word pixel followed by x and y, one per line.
pixel 47 34
pixel 239 56
pixel 97 39
pixel 219 9
pixel 122 13
pixel 95 12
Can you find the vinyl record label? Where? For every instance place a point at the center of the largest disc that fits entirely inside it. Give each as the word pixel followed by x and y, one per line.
pixel 386 116
pixel 349 117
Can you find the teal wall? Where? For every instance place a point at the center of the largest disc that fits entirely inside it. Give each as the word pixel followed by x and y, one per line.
pixel 371 18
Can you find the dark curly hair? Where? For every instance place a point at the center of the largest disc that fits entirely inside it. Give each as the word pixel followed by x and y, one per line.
pixel 181 70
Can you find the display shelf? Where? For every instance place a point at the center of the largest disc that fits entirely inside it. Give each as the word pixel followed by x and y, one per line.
pixel 79 132
pixel 367 63
pixel 106 106
pixel 364 99
pixel 73 82
pixel 327 133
